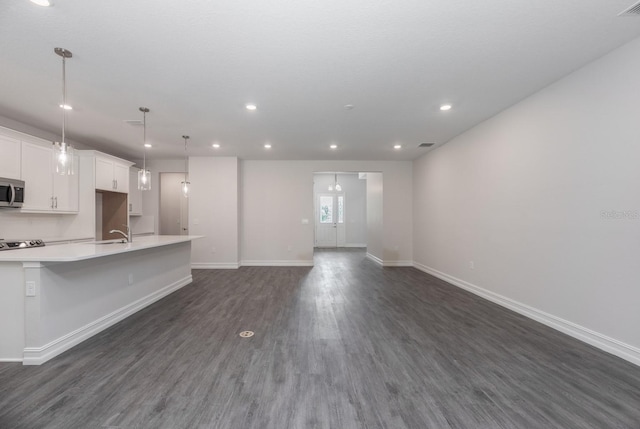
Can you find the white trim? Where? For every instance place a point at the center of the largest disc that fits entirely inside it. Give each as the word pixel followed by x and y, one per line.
pixel 39 355
pixel 397 263
pixel 374 259
pixel 294 263
pixel 354 245
pixel 596 339
pixel 215 266
pixel 10 360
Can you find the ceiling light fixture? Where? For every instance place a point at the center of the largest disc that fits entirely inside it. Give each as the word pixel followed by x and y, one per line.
pixel 397 146
pixel 186 184
pixel 63 151
pixel 334 146
pixel 44 3
pixel 216 145
pixel 144 175
pixel 251 106
pixel 66 107
pixel 267 146
pixel 147 145
pixel 445 107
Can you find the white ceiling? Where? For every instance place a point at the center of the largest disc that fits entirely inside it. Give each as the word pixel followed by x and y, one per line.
pixel 195 64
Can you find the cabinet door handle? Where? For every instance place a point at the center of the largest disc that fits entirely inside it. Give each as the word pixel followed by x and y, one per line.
pixel 116 183
pixel 130 207
pixel 56 198
pixel 51 202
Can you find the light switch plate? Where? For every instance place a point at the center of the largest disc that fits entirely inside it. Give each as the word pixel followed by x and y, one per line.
pixel 31 288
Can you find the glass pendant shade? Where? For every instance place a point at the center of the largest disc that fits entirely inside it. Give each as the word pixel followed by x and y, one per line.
pixel 185 188
pixel 144 180
pixel 144 175
pixel 185 185
pixel 63 158
pixel 335 184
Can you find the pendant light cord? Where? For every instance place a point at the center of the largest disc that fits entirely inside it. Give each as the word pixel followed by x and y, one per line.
pixel 64 97
pixel 186 160
pixel 144 141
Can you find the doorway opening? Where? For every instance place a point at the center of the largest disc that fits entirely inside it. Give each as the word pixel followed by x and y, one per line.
pixel 340 210
pixel 174 206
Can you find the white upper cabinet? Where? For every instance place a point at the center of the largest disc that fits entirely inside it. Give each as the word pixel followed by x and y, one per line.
pixel 46 191
pixel 9 157
pixel 112 174
pixel 135 194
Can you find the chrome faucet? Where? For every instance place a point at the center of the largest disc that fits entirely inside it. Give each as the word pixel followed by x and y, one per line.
pixel 127 236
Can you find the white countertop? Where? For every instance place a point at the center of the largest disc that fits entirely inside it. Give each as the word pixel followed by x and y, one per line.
pixel 81 251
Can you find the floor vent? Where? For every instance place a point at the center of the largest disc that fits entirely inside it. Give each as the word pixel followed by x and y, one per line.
pixel 246 334
pixel 633 10
pixel 426 144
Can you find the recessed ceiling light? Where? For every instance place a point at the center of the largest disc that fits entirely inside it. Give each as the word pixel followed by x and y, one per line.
pixel 349 106
pixel 66 107
pixel 147 145
pixel 251 106
pixel 216 145
pixel 41 2
pixel 267 146
pixel 334 146
pixel 397 146
pixel 445 107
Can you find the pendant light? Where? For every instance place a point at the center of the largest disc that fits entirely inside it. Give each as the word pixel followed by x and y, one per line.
pixel 335 184
pixel 144 175
pixel 186 184
pixel 63 151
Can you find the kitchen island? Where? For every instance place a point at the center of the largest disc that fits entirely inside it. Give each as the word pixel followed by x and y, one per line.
pixel 54 297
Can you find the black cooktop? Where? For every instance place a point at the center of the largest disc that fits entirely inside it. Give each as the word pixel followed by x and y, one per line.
pixel 20 244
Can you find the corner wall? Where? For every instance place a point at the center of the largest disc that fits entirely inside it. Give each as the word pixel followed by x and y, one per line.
pixel 544 198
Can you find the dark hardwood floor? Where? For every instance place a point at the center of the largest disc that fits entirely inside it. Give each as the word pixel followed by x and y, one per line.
pixel 344 345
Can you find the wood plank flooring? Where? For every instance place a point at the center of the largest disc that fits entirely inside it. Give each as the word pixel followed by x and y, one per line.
pixel 345 344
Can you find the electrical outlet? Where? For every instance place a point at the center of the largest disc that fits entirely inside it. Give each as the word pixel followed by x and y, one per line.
pixel 472 265
pixel 31 288
pixel 289 248
pixel 130 278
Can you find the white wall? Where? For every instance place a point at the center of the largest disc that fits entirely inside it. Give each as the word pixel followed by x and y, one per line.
pixel 522 195
pixel 213 211
pixel 277 195
pixel 151 198
pixel 375 217
pixel 355 204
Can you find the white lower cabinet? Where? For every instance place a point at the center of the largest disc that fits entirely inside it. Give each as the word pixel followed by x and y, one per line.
pixel 46 191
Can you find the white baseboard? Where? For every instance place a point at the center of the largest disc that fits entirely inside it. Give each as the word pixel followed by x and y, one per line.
pixel 279 263
pixel 397 263
pixel 10 360
pixel 596 339
pixel 39 355
pixel 215 265
pixel 355 245
pixel 374 258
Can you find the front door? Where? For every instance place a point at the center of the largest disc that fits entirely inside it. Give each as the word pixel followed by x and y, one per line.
pixel 330 227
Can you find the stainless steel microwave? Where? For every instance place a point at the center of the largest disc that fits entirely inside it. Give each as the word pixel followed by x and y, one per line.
pixel 11 193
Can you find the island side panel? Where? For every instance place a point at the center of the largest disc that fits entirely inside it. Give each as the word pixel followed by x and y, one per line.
pixel 11 312
pixel 78 299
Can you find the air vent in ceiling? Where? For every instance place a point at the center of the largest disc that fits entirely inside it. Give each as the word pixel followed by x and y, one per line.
pixel 426 144
pixel 633 10
pixel 133 121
